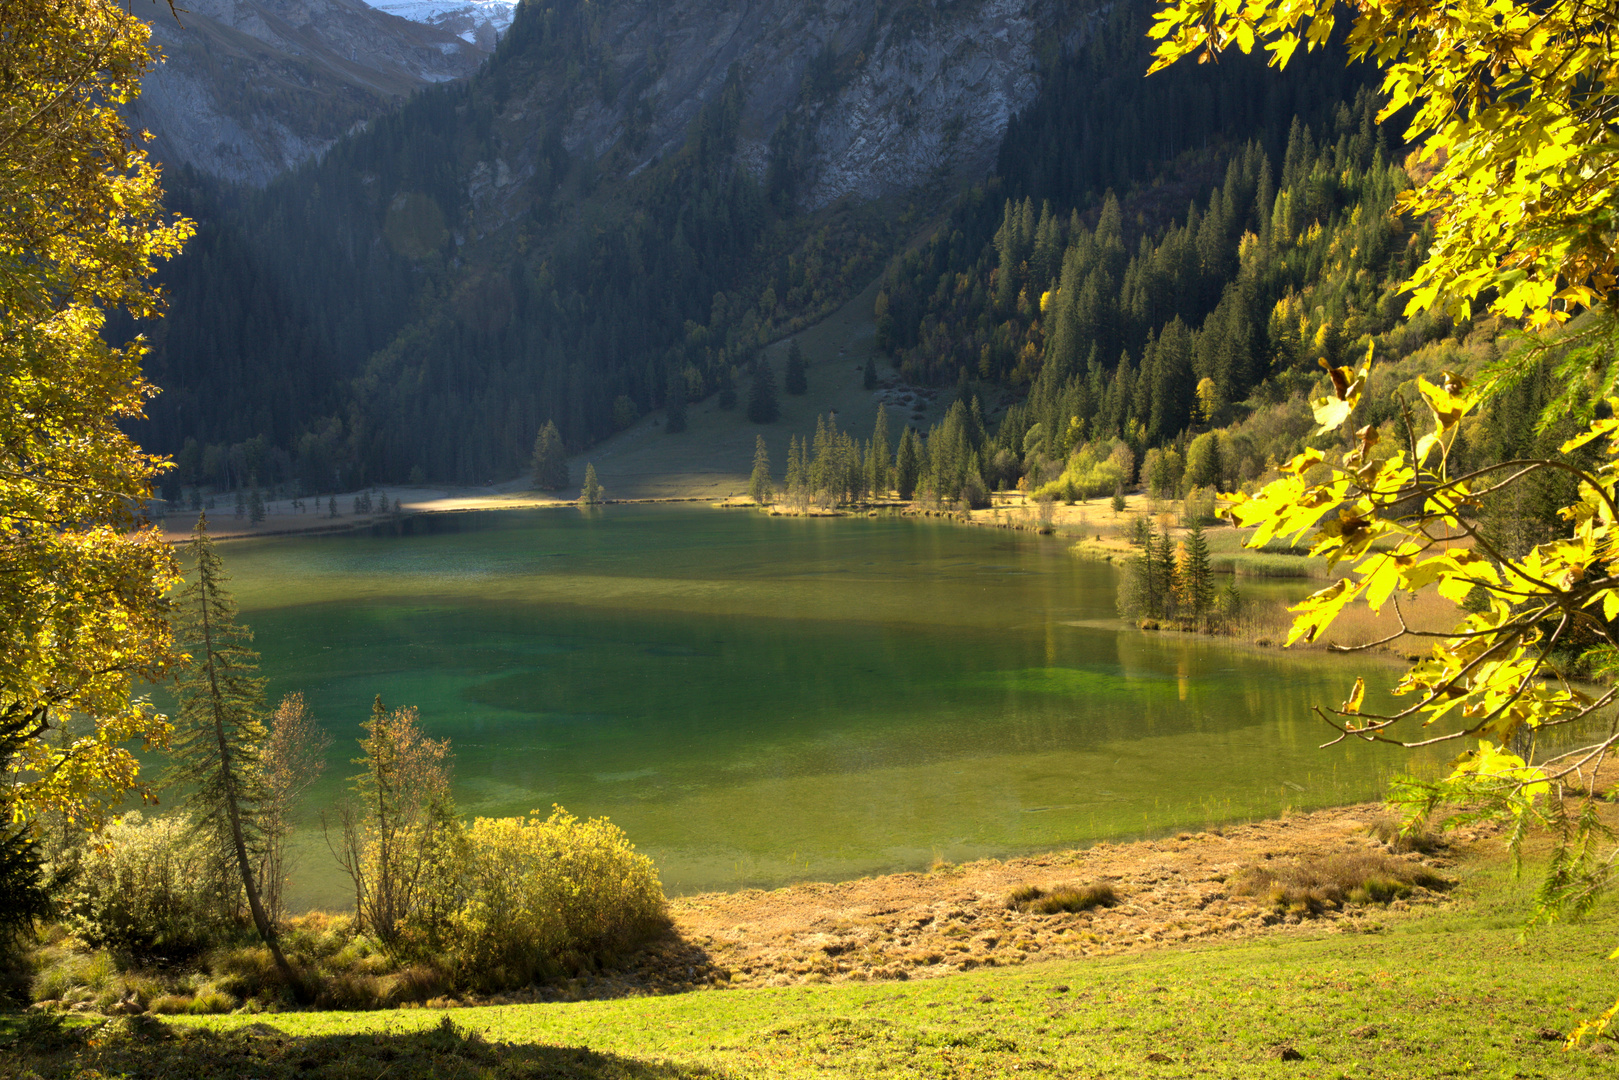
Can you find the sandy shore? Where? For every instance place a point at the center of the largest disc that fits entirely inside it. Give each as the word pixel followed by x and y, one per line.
pixel 1176 891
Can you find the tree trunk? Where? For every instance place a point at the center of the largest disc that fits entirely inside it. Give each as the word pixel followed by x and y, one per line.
pixel 260 921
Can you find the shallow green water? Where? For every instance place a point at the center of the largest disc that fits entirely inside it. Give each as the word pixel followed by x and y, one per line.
pixel 758 700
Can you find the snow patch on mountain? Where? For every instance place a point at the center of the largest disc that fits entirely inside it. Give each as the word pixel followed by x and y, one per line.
pixel 478 22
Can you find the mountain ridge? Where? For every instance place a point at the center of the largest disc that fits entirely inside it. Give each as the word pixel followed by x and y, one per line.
pixel 249 89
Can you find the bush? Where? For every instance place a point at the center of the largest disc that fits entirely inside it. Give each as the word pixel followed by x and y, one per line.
pixel 148 891
pixel 1062 898
pixel 1311 886
pixel 548 896
pixel 1198 508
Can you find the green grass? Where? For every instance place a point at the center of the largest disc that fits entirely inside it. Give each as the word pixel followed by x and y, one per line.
pixel 1455 993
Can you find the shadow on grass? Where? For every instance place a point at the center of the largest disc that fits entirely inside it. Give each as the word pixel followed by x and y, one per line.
pixel 142 1048
pixel 668 964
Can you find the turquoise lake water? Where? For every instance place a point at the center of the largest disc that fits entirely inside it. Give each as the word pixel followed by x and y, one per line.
pixel 760 700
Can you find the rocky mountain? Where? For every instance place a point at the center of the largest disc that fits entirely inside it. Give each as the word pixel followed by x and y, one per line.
pixel 633 199
pixel 844 98
pixel 480 22
pixel 250 88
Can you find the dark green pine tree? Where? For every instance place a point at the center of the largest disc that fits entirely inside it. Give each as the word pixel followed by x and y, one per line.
pixel 219 727
pixel 907 465
pixel 674 406
pixel 727 399
pixel 1142 596
pixel 591 492
pixel 1166 580
pixel 869 380
pixel 877 466
pixel 1196 576
pixel 759 487
pixel 763 408
pixel 550 459
pixel 795 381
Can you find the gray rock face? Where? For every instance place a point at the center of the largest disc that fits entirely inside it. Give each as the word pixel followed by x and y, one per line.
pixel 879 98
pixel 250 88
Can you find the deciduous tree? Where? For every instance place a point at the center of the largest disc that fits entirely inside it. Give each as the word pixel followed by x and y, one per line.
pixel 392 835
pixel 81 583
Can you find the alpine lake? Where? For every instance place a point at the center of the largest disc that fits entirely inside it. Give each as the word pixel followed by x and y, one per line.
pixel 761 700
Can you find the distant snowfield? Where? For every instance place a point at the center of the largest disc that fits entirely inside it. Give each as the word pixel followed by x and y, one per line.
pixel 471 19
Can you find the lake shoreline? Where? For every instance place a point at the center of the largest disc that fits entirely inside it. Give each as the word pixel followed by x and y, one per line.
pixel 1178 891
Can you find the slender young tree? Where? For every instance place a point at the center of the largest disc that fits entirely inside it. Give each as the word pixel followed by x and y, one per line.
pixel 219 730
pixel 877 466
pixel 293 758
pixel 795 381
pixel 550 459
pixel 392 834
pixel 759 487
pixel 798 476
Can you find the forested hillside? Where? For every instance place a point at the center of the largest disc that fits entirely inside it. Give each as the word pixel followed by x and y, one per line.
pixel 555 241
pixel 1151 257
pixel 1143 277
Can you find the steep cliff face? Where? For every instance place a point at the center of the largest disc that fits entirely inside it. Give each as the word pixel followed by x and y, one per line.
pixel 844 98
pixel 250 88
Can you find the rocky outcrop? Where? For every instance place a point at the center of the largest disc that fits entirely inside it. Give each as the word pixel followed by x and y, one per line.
pixel 845 98
pixel 249 88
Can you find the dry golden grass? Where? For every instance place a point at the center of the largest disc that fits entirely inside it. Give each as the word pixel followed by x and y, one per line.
pixel 1314 884
pixel 1061 898
pixel 1268 622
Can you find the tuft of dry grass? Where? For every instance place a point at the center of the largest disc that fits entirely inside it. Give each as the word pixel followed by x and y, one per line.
pixel 1313 885
pixel 1400 839
pixel 1061 898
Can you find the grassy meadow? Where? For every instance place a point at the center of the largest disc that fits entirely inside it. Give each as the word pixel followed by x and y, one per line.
pixel 1461 991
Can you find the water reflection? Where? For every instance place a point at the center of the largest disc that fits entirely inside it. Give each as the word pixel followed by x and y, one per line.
pixel 759 700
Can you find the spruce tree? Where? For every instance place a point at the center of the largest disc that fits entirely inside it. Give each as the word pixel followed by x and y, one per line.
pixel 877 466
pixel 674 407
pixel 727 400
pixel 1196 576
pixel 1166 581
pixel 550 459
pixel 795 380
pixel 908 465
pixel 219 727
pixel 762 405
pixel 869 380
pixel 798 480
pixel 590 493
pixel 759 484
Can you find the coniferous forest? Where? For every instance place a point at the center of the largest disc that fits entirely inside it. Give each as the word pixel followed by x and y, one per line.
pixel 350 325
